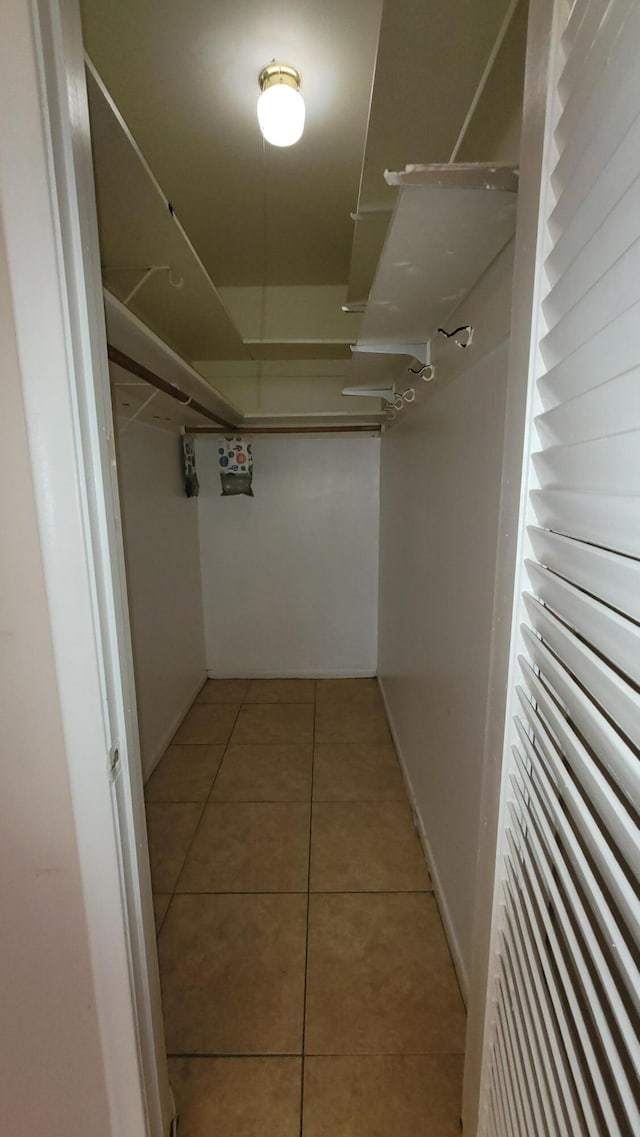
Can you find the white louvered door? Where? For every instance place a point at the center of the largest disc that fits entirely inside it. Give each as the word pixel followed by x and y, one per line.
pixel 562 1054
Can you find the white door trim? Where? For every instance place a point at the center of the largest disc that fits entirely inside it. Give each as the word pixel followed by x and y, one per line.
pixel 48 212
pixel 506 596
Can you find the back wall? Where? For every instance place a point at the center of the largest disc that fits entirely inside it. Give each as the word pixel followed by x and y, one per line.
pixel 290 576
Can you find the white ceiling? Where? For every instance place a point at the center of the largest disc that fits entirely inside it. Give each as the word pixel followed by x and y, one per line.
pixel 184 78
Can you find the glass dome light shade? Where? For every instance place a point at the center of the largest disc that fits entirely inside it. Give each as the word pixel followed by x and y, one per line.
pixel 281 113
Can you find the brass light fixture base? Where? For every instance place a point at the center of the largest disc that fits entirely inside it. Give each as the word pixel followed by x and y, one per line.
pixel 278 73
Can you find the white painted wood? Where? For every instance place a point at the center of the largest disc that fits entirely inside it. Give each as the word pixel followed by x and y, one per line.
pixel 132 337
pixel 600 901
pixel 608 521
pixel 448 225
pixel 568 841
pixel 490 911
pixel 611 634
pixel 134 213
pixel 405 116
pixel 439 243
pixel 611 578
pixel 560 987
pixel 552 1057
pixel 606 112
pixel 621 700
pixel 599 465
pixel 617 758
pixel 48 207
pixel 577 930
pixel 484 78
pixel 440 494
pixel 447 915
pixel 52 1064
pixel 456 175
pixel 381 370
pixel 597 308
pixel 579 211
pixel 611 408
pixel 611 351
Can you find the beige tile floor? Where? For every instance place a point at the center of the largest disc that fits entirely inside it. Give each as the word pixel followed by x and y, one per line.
pixel 307 986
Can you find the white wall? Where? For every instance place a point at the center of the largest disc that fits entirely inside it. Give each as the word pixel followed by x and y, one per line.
pixel 440 489
pixel 52 1078
pixel 163 578
pixel 440 496
pixel 290 576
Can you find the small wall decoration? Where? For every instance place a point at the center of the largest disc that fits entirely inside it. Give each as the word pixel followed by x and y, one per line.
pixel 191 483
pixel 236 466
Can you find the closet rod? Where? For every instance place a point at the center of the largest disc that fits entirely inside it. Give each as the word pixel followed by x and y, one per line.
pixel 141 372
pixel 374 428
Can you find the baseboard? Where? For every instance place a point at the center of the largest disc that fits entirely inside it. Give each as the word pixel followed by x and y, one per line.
pixel 445 915
pixel 170 730
pixel 291 674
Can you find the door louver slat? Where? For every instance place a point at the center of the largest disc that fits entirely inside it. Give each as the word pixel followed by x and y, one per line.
pixel 562 1049
pixel 613 405
pixel 593 363
pixel 601 519
pixel 612 579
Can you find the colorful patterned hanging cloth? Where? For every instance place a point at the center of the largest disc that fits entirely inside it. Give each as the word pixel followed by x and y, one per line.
pixel 236 466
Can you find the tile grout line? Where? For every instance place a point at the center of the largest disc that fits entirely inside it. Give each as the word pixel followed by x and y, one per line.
pixel 306 952
pixel 224 754
pixel 239 706
pixel 202 811
pixel 272 800
pixel 304 892
pixel 302 1054
pixel 323 1054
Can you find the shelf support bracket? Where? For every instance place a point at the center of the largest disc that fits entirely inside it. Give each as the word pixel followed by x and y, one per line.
pixel 419 351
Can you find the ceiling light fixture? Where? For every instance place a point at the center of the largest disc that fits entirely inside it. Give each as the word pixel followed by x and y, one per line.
pixel 280 106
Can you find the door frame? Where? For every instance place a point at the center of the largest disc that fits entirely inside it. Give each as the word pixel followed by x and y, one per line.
pixel 542 39
pixel 47 204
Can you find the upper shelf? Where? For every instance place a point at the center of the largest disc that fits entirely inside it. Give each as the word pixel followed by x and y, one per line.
pixel 449 224
pixel 138 230
pixel 137 343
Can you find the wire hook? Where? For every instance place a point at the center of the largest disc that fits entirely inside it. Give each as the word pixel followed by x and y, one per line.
pixel 468 328
pixel 422 371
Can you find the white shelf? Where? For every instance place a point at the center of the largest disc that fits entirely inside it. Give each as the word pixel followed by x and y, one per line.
pixel 134 339
pixel 138 230
pixel 449 224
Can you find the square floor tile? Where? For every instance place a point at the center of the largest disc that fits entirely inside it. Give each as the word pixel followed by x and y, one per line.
pixel 351 722
pixel 357 772
pixel 232 974
pixel 288 723
pixel 170 828
pixel 223 691
pixel 264 773
pixel 379 978
pixel 352 691
pixel 366 846
pixel 383 1096
pixel 281 691
pixel 185 773
pixel 161 901
pixel 237 1097
pixel 249 847
pixel 207 723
